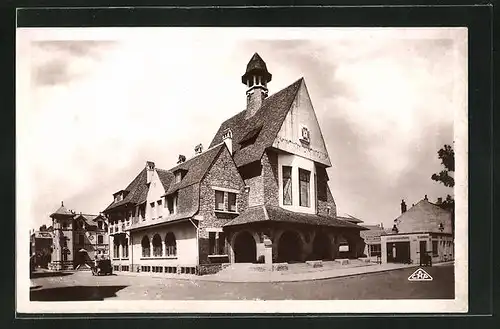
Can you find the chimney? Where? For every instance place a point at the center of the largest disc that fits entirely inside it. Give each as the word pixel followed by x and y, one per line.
pixel 182 158
pixel 227 137
pixel 403 206
pixel 255 78
pixel 440 201
pixel 382 225
pixel 425 198
pixel 150 168
pixel 198 149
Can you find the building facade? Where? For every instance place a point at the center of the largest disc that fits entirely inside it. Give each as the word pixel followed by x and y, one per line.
pixel 78 239
pixel 41 248
pixel 259 193
pixel 424 229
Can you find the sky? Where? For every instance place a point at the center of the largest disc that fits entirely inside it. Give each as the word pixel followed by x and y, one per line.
pixel 93 105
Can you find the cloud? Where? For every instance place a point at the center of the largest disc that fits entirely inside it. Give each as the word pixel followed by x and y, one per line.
pixel 59 62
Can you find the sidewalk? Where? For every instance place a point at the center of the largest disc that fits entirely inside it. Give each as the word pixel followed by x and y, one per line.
pixel 282 276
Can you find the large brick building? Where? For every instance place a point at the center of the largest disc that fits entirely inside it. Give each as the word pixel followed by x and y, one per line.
pixel 77 239
pixel 259 193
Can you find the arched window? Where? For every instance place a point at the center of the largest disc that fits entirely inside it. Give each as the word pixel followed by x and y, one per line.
pixel 157 246
pixel 170 244
pixel 146 252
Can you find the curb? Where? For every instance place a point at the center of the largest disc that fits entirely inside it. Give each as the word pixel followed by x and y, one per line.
pixel 276 280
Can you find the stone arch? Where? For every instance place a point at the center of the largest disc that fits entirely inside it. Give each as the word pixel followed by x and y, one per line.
pixel 170 244
pixel 244 244
pixel 157 245
pixel 290 245
pixel 321 247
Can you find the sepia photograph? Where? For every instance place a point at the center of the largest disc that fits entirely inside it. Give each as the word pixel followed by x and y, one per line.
pixel 241 170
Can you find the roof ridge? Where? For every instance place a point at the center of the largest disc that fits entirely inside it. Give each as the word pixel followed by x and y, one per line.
pixel 195 156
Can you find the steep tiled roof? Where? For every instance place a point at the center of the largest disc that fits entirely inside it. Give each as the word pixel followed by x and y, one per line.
pixel 196 168
pixel 137 189
pixel 270 117
pixel 277 214
pixel 62 211
pixel 166 177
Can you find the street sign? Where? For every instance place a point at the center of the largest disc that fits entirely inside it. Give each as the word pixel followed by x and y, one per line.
pixel 420 275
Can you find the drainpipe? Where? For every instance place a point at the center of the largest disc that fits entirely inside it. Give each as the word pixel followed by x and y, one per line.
pixel 197 242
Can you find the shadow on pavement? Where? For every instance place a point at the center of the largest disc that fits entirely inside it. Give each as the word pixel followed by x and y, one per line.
pixel 75 293
pixel 36 275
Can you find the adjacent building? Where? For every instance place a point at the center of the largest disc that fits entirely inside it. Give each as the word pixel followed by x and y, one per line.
pixel 78 239
pixel 425 228
pixel 258 193
pixel 41 247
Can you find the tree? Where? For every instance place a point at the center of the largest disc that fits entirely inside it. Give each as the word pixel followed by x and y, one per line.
pixel 447 156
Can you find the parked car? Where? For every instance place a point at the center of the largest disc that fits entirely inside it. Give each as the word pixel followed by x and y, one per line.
pixel 102 267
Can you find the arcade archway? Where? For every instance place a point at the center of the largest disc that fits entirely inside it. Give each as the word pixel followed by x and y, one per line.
pixel 322 247
pixel 245 249
pixel 289 247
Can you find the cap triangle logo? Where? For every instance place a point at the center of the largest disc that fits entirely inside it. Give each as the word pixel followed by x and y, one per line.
pixel 420 275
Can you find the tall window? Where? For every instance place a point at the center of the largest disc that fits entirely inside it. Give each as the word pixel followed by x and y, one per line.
pixel 304 187
pixel 172 204
pixel 219 200
pixel 146 252
pixel 157 252
pixel 216 243
pixel 81 239
pixel 231 201
pixel 100 239
pixel 170 244
pixel 211 243
pixel 125 248
pixel 99 224
pixel 116 249
pixel 435 248
pixel 287 185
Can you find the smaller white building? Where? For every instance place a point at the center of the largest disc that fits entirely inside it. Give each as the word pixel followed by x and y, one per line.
pixel 424 230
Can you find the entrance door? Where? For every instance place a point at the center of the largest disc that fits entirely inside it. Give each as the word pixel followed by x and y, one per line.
pixel 423 251
pixel 245 249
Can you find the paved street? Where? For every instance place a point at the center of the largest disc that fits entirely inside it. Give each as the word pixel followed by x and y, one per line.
pixel 385 285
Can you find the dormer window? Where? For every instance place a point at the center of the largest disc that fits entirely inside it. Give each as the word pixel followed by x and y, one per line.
pixel 178 177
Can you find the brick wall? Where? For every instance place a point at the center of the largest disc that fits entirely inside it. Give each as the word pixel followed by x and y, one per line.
pixel 325 197
pixel 224 174
pixel 270 178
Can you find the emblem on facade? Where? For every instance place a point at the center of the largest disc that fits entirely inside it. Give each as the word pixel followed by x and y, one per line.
pixel 420 275
pixel 306 137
